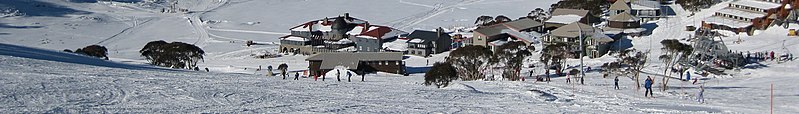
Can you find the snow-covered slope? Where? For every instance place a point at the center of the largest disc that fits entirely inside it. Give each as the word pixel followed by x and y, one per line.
pixel 44 86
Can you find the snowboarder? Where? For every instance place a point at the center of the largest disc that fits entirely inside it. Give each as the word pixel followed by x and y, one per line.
pixel 700 97
pixel 349 77
pixel 338 75
pixel 616 83
pixel 297 76
pixel 648 85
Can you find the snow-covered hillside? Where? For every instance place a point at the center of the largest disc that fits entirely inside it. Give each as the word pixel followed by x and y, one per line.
pixel 37 77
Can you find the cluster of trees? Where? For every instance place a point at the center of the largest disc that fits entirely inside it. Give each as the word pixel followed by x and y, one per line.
pixel 471 62
pixel 488 20
pixel 695 5
pixel 92 50
pixel 553 56
pixel 173 55
pixel 593 6
pixel 539 15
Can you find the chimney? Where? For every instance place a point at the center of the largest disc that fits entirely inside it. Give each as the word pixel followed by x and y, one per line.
pixel 324 22
pixel 439 31
pixel 347 16
pixel 366 27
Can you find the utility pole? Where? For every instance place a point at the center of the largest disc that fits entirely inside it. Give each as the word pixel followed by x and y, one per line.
pixel 582 51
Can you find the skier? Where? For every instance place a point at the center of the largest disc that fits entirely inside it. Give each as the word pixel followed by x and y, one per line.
pixel 349 77
pixel 363 77
pixel 338 75
pixel 269 71
pixel 648 85
pixel 316 77
pixel 297 76
pixel 700 97
pixel 616 83
pixel 772 55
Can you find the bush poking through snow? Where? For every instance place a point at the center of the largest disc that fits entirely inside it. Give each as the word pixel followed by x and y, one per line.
pixel 94 51
pixel 173 55
pixel 440 75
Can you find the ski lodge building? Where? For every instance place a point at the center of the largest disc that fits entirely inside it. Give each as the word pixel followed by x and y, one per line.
pixel 749 15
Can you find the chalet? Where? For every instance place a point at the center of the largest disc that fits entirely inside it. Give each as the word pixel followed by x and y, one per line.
pixel 748 15
pixel 372 38
pixel 624 23
pixel 562 16
pixel 524 30
pixel 645 10
pixel 423 43
pixel 360 62
pixel 334 34
pixel 595 41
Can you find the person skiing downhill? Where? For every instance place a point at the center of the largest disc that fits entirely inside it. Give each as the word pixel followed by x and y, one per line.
pixel 648 85
pixel 568 78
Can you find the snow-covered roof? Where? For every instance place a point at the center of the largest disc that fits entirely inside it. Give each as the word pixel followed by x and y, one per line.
pixel 742 13
pixel 609 30
pixel 757 4
pixel 624 17
pixel 295 38
pixel 727 22
pixel 416 41
pixel 619 5
pixel 645 5
pixel 342 41
pixel 564 19
pixel 396 45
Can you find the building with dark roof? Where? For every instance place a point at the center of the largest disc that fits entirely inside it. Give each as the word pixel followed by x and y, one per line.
pixel 361 62
pixel 424 43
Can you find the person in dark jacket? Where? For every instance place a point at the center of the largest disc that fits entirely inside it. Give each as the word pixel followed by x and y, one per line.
pixel 338 75
pixel 297 76
pixel 349 77
pixel 648 86
pixel 616 83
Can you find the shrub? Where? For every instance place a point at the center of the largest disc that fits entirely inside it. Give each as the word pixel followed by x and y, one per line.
pixel 173 55
pixel 94 51
pixel 440 75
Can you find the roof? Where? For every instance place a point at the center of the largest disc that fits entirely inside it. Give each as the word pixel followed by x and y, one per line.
pixel 521 24
pixel 573 30
pixel 742 13
pixel 757 4
pixel 351 60
pixel 491 30
pixel 321 25
pixel 717 20
pixel 564 19
pixel 564 11
pixel 381 32
pixel 624 17
pixel 619 5
pixel 645 5
pixel 426 36
pixel 294 38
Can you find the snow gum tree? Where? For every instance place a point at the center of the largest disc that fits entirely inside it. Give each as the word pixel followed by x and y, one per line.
pixel 673 51
pixel 440 75
pixel 173 55
pixel 512 55
pixel 554 54
pixel 470 61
